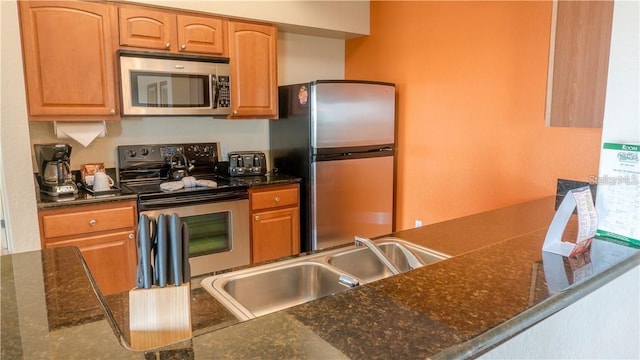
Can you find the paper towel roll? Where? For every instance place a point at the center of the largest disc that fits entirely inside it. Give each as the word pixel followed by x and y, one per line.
pixel 82 132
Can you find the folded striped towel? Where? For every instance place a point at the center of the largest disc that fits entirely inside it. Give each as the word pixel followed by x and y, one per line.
pixel 207 183
pixel 171 185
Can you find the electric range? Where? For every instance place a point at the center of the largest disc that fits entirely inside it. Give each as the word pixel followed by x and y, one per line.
pixel 143 168
pixel 217 217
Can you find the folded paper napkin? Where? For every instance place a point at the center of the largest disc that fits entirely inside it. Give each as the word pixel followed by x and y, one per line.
pixel 187 181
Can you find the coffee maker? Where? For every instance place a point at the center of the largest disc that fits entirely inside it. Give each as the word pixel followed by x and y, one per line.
pixel 54 173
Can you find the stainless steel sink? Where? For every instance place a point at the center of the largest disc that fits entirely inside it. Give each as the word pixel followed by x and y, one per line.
pixel 267 290
pixel 365 265
pixel 260 290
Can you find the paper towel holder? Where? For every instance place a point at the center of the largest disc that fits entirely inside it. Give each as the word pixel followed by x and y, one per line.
pixel 82 132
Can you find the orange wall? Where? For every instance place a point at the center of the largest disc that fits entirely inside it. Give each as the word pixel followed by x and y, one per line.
pixel 471 83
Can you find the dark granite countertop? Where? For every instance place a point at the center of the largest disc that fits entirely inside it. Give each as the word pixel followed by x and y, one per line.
pixel 85 198
pixel 265 180
pixel 496 284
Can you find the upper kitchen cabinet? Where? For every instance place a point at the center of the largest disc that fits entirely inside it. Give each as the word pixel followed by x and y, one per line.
pixel 578 63
pixel 253 59
pixel 68 55
pixel 149 28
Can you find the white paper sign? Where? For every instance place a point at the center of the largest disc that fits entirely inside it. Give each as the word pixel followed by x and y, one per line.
pixel 618 198
pixel 581 200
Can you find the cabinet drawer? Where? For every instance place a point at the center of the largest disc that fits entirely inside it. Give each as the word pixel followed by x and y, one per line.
pixel 285 196
pixel 82 222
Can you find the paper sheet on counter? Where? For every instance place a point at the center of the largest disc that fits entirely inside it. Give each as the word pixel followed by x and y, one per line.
pixel 580 199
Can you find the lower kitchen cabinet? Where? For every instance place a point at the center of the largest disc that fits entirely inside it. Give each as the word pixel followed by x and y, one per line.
pixel 104 234
pixel 275 222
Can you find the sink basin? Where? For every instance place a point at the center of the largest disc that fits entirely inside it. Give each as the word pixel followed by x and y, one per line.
pixel 264 289
pixel 261 291
pixel 364 264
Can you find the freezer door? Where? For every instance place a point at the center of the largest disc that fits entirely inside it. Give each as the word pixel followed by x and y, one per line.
pixel 351 197
pixel 348 114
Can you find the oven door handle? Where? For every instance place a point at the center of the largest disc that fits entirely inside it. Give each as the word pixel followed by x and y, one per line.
pixel 163 203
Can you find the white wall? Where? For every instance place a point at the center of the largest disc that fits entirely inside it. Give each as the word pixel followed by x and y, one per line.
pixel 16 176
pixel 622 107
pixel 300 58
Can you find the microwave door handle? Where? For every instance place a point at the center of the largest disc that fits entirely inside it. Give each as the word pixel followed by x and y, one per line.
pixel 215 91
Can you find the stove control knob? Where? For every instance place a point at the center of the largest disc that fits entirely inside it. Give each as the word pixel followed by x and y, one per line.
pixel 132 153
pixel 144 151
pixel 196 150
pixel 207 150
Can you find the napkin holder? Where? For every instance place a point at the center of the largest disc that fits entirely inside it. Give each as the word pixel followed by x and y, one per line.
pixel 159 316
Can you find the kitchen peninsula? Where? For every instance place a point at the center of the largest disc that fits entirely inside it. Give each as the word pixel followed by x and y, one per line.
pixel 495 286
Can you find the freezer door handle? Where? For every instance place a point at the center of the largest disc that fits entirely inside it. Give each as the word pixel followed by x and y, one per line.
pixel 347 154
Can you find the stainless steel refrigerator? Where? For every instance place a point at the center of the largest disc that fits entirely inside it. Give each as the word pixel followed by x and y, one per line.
pixel 339 137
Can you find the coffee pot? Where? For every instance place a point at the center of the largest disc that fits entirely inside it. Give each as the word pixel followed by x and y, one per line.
pixel 54 173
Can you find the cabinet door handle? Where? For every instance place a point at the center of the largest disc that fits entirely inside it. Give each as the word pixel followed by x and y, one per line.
pixel 167 45
pixel 183 46
pixel 92 222
pixel 257 218
pixel 130 236
pixel 277 199
pixel 112 111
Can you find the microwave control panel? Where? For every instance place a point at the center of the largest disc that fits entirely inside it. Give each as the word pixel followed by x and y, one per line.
pixel 224 92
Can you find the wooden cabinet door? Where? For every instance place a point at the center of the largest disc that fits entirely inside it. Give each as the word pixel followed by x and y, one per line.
pixel 201 35
pixel 579 63
pixel 146 28
pixel 253 58
pixel 105 235
pixel 276 233
pixel 111 259
pixel 68 55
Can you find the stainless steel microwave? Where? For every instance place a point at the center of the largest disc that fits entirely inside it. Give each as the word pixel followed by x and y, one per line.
pixel 163 84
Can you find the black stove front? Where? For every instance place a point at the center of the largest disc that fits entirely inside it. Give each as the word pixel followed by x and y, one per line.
pixel 142 168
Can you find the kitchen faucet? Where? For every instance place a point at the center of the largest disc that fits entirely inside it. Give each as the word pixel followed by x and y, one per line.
pixel 414 261
pixel 360 241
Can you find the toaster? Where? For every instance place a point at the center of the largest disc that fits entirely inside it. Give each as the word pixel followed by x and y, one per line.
pixel 247 163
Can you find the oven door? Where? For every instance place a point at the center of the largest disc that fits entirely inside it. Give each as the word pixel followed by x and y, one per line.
pixel 219 234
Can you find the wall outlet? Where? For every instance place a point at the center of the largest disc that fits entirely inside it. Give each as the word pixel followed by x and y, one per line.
pixel 224 152
pixel 418 223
